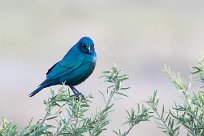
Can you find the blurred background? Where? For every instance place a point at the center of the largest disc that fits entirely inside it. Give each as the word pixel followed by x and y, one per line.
pixel 139 36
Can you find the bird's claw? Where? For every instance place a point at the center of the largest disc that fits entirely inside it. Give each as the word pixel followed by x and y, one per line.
pixel 78 95
pixel 76 92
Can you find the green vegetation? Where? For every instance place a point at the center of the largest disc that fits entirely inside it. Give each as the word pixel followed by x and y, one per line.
pixel 67 115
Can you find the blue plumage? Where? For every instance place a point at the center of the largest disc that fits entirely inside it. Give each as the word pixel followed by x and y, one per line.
pixel 74 68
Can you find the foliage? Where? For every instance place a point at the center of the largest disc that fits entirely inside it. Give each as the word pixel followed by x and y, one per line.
pixel 68 115
pixel 190 114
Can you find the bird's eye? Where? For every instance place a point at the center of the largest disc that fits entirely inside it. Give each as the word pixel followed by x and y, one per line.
pixel 83 44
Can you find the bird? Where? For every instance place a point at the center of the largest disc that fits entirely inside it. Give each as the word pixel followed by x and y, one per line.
pixel 73 69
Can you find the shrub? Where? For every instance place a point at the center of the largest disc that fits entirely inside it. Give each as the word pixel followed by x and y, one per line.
pixel 66 114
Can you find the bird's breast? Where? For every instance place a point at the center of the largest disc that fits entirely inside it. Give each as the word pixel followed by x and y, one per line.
pixel 81 73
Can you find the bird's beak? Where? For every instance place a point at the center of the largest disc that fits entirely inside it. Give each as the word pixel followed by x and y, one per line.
pixel 89 48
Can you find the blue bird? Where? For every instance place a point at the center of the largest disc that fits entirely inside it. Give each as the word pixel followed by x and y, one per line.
pixel 74 68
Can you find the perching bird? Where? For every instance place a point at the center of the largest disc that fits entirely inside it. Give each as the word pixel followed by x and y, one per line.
pixel 74 68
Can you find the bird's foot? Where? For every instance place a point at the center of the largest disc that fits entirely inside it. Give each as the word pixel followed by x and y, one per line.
pixel 78 95
pixel 76 92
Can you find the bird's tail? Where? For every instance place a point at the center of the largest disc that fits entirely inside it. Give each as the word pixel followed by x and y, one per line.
pixel 43 85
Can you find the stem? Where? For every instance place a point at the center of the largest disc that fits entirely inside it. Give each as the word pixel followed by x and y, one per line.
pixel 43 120
pixel 162 120
pixel 195 118
pixel 76 119
pixel 47 113
pixel 106 106
pixel 110 98
pixel 128 131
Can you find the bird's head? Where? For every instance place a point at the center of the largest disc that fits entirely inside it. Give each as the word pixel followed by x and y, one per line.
pixel 86 45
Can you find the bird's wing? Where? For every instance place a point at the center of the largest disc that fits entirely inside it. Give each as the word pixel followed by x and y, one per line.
pixel 65 66
pixel 51 68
